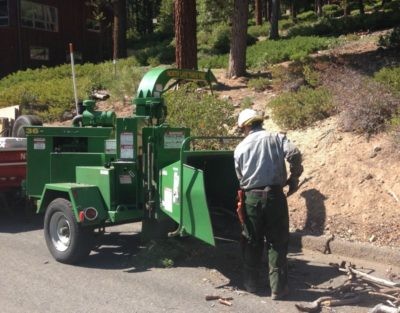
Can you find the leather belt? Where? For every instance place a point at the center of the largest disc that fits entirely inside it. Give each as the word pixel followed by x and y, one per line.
pixel 263 190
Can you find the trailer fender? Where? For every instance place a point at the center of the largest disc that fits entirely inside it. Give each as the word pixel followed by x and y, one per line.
pixel 81 197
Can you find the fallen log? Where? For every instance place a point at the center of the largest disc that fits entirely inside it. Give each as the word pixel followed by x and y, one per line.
pixel 326 301
pixel 380 281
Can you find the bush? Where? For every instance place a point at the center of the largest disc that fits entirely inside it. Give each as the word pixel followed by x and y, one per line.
pixel 389 77
pixel 311 77
pixel 259 84
pixel 368 110
pixel 257 31
pixel 394 129
pixel 273 51
pixel 217 61
pixel 155 54
pixel 219 40
pixel 48 92
pixel 293 110
pixel 308 16
pixel 201 112
pixel 339 26
pixel 332 10
pixel 391 40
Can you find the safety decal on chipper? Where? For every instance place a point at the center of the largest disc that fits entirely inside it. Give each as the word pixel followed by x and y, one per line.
pixel 39 143
pixel 127 151
pixel 173 139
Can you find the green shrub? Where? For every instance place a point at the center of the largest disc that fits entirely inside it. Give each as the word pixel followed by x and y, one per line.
pixel 308 16
pixel 48 92
pixel 273 51
pixel 339 26
pixel 285 24
pixel 259 84
pixel 394 129
pixel 204 114
pixel 247 103
pixel 310 76
pixel 220 39
pixel 332 10
pixel 293 110
pixel 268 52
pixel 391 40
pixel 160 53
pixel 389 77
pixel 257 31
pixel 368 110
pixel 216 61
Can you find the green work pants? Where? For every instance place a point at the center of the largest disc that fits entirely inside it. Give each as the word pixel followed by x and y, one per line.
pixel 266 218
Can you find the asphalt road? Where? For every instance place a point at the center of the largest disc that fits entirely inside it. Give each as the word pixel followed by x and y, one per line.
pixel 117 277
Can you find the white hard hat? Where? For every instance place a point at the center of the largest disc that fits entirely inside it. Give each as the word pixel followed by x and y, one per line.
pixel 248 116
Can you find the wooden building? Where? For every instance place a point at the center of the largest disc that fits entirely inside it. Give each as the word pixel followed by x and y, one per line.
pixel 36 33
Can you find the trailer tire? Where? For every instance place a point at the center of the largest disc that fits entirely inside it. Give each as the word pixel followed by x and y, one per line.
pixel 22 121
pixel 67 241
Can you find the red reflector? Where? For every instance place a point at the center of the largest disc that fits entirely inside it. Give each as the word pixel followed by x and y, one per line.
pixel 90 213
pixel 81 216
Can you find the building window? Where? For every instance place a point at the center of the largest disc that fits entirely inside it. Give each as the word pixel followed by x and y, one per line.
pixel 92 25
pixel 39 16
pixel 39 53
pixel 3 12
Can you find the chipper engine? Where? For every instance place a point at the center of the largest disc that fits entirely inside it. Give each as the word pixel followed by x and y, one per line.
pixel 104 171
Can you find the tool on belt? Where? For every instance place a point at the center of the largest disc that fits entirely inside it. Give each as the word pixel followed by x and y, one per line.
pixel 241 212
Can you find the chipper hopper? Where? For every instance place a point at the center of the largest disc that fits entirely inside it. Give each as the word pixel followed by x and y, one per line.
pixel 105 170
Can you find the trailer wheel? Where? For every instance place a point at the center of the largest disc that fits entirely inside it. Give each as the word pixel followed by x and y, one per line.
pixel 67 241
pixel 22 121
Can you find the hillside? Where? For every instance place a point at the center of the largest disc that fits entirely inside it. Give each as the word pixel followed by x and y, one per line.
pixel 351 184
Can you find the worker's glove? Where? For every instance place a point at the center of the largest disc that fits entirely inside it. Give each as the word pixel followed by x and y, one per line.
pixel 293 183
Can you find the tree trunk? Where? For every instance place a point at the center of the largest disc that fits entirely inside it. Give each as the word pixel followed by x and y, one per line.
pixel 237 55
pixel 318 7
pixel 274 32
pixel 345 4
pixel 258 12
pixel 361 7
pixel 119 29
pixel 268 6
pixel 185 34
pixel 293 9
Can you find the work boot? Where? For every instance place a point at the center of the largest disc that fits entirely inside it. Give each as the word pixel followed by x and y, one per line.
pixel 250 281
pixel 281 294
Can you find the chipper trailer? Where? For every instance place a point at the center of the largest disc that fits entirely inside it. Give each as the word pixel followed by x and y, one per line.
pixel 104 171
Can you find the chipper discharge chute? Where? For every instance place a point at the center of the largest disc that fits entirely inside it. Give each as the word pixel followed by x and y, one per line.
pixel 106 170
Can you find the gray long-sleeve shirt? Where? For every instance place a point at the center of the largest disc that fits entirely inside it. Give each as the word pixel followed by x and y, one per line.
pixel 260 159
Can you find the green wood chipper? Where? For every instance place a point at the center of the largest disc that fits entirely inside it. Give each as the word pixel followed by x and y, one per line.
pixel 105 171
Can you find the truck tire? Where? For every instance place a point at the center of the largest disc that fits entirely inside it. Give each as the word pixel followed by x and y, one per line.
pixel 22 121
pixel 67 241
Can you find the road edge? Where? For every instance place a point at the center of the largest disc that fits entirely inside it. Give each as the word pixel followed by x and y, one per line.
pixel 365 251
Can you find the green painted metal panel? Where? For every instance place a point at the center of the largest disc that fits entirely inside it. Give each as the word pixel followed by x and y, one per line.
pixel 184 200
pixel 154 81
pixel 101 177
pixel 126 184
pixel 42 141
pixel 196 216
pixel 125 214
pixel 63 165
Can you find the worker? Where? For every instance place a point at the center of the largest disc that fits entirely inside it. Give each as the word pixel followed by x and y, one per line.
pixel 261 169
